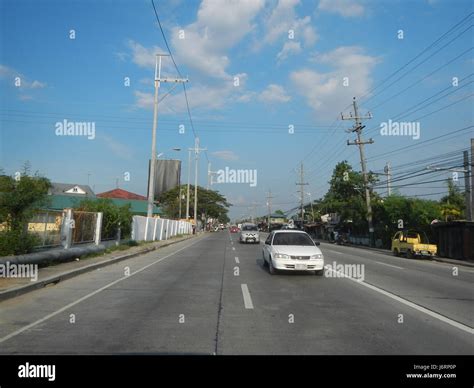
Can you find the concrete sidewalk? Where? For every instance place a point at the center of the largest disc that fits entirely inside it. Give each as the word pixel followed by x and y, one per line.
pixel 12 287
pixel 388 252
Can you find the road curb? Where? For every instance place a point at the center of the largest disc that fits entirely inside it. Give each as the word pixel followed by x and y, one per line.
pixel 55 279
pixel 389 253
pixel 453 261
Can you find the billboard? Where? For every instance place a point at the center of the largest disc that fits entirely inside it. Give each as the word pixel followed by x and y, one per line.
pixel 167 175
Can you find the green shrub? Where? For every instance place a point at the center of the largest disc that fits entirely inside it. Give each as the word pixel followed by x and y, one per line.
pixel 14 242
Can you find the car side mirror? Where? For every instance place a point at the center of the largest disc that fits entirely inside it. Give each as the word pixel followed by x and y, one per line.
pixel 317 243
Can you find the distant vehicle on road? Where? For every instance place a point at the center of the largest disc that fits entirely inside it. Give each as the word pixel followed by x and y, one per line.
pixel 413 244
pixel 249 233
pixel 292 250
pixel 221 226
pixel 234 229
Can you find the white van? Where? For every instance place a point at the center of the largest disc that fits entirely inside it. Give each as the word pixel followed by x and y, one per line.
pixel 249 233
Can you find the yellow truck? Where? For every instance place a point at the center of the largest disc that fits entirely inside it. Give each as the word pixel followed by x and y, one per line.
pixel 413 244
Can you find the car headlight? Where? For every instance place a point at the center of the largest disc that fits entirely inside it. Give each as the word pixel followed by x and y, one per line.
pixel 281 256
pixel 317 256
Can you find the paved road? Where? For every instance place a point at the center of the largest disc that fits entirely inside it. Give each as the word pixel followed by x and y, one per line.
pixel 189 298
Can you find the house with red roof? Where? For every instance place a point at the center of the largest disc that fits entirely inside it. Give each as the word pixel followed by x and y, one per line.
pixel 121 194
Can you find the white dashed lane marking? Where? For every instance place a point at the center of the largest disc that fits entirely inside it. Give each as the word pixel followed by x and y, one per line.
pixel 247 298
pixel 389 265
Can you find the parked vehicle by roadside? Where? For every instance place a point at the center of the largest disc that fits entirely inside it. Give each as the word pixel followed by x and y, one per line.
pixel 413 244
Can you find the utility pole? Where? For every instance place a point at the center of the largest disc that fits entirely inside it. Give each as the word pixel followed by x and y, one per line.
pixel 269 204
pixel 388 173
pixel 189 174
pixel 357 128
pixel 209 176
pixel 210 173
pixel 196 150
pixel 468 180
pixel 301 191
pixel 472 180
pixel 312 211
pixel 467 186
pixel 180 201
pixel 151 179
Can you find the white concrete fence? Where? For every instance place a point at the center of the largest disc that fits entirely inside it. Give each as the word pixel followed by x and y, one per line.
pixel 155 229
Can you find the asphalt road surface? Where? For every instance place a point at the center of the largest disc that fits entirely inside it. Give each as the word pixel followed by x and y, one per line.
pixel 212 295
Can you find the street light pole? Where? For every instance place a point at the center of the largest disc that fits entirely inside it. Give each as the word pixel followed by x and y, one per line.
pixel 196 150
pixel 151 179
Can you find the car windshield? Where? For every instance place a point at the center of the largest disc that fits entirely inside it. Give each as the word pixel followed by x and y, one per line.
pixel 292 239
pixel 249 228
pixel 423 237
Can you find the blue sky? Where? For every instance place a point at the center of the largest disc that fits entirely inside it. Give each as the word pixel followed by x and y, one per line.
pixel 282 82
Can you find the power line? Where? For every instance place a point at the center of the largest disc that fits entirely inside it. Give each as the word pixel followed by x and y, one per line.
pixel 164 38
pixel 375 157
pixel 407 112
pixel 176 67
pixel 419 64
pixel 420 80
pixel 426 160
pixel 440 98
pixel 410 176
pixel 417 56
pixel 411 108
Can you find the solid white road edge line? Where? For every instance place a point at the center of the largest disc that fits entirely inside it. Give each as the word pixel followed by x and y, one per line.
pixel 406 302
pixel 68 306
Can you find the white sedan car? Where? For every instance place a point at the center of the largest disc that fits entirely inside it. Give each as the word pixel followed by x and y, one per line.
pixel 292 250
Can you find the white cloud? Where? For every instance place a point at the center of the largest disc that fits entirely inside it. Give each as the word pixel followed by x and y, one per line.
pixel 325 91
pixel 143 100
pixel 274 94
pixel 284 18
pixel 309 35
pixel 345 8
pixel 146 57
pixel 37 85
pixel 225 155
pixel 220 25
pixel 200 96
pixel 121 56
pixel 20 82
pixel 11 74
pixel 290 47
